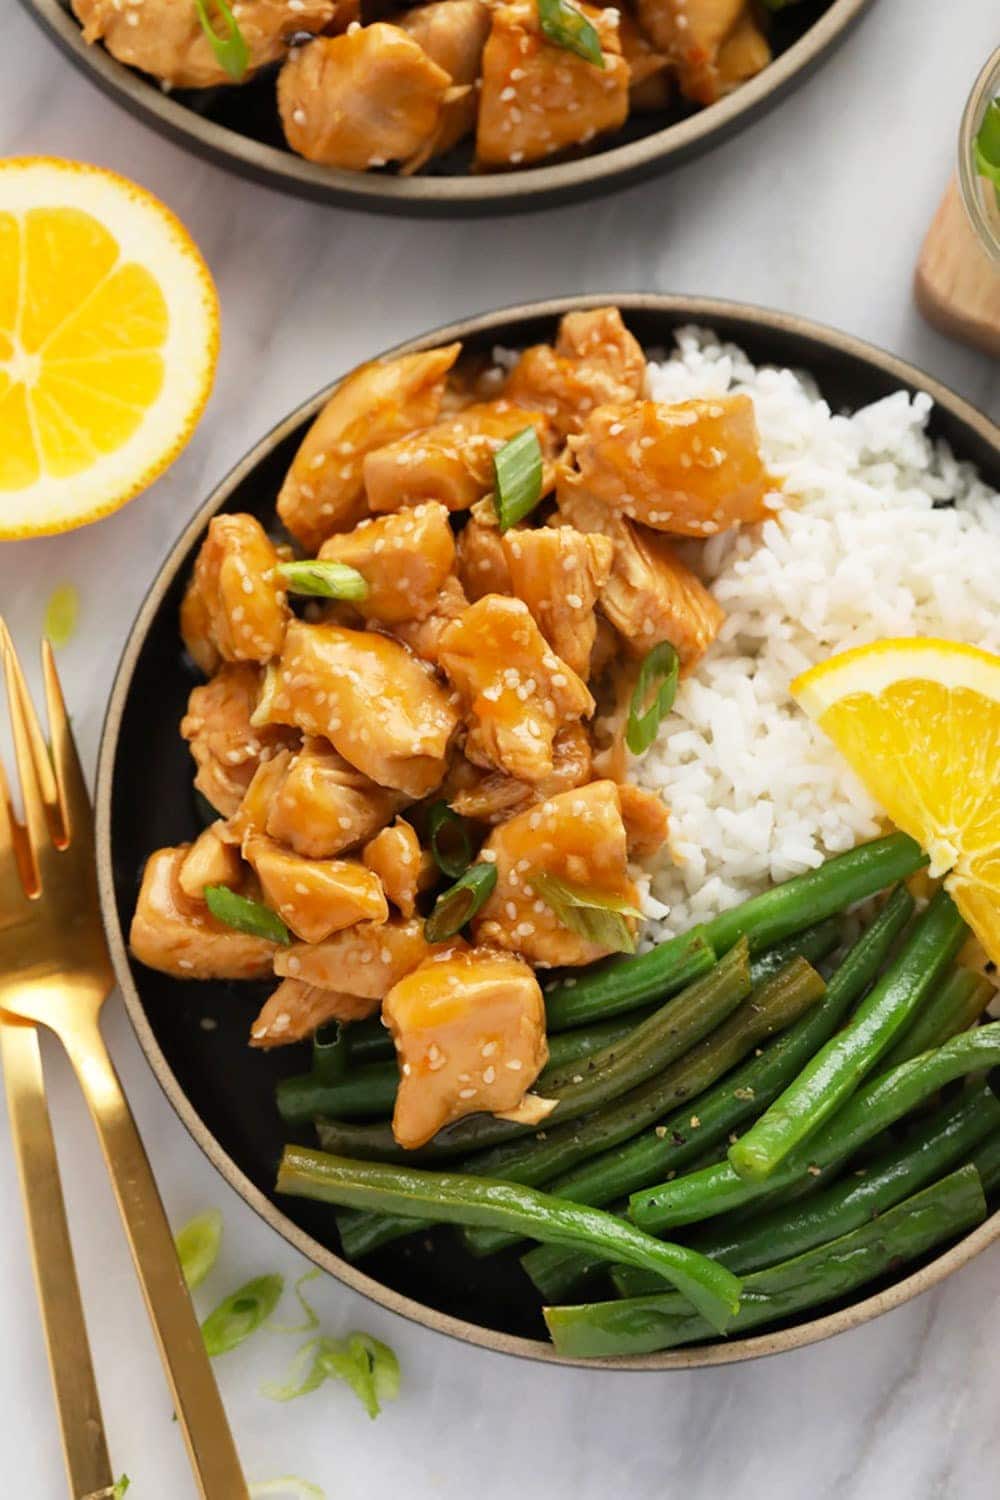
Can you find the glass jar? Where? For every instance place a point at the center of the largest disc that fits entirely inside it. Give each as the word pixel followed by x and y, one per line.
pixel 980 196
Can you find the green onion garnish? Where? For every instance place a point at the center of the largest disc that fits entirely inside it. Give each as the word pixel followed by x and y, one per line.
pixel 569 28
pixel 324 580
pixel 310 1317
pixel 449 838
pixel 657 676
pixel 330 1052
pixel 460 902
pixel 61 612
pixel 122 1483
pixel 287 1488
pixel 241 1314
pixel 986 145
pixel 517 475
pixel 368 1366
pixel 231 50
pixel 198 1247
pixel 595 915
pixel 244 915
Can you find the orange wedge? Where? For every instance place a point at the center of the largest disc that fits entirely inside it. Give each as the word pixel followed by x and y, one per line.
pixel 109 333
pixel 919 721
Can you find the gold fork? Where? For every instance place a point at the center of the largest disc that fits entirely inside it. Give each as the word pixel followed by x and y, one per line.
pixel 55 971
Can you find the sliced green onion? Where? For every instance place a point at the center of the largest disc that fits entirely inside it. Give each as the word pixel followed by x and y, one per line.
pixel 657 676
pixel 595 915
pixel 265 697
pixel 287 1488
pixel 368 1366
pixel 330 1052
pixel 121 1485
pixel 566 27
pixel 324 580
pixel 450 843
pixel 198 1247
pixel 241 1314
pixel 231 50
pixel 517 475
pixel 61 613
pixel 986 145
pixel 310 1317
pixel 244 915
pixel 460 902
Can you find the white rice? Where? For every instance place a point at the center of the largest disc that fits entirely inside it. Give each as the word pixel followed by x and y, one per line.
pixel 864 548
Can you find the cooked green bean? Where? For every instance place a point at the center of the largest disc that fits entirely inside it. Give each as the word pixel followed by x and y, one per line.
pixel 330 1052
pixel 670 1031
pixel 954 1007
pixel 455 1199
pixel 877 1105
pixel 642 1325
pixel 674 1143
pixel 614 987
pixel 943 1141
pixel 836 1070
pixel 987 1163
pixel 814 943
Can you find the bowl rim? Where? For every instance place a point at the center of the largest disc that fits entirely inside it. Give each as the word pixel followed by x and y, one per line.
pixel 703 310
pixel 488 193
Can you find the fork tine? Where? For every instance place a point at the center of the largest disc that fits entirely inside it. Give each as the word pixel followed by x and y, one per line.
pixel 38 783
pixel 16 874
pixel 77 818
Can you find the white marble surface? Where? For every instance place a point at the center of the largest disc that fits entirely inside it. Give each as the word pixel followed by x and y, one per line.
pixel 818 209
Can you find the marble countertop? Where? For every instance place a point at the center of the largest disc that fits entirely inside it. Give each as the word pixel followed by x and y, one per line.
pixel 819 209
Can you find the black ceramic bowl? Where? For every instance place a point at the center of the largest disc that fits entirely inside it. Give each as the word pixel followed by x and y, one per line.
pixel 222 1090
pixel 240 129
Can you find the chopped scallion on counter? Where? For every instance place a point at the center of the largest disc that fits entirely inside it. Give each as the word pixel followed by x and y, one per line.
pixel 245 915
pixel 368 1366
pixel 241 1314
pixel 198 1247
pixel 61 613
pixel 288 1487
pixel 517 468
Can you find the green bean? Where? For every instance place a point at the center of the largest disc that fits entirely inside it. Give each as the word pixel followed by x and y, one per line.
pixel 938 1144
pixel 815 944
pixel 779 1001
pixel 619 985
pixel 330 1052
pixel 455 1199
pixel 642 1325
pixel 958 1003
pixel 987 1163
pixel 670 1031
pixel 835 1072
pixel 674 1143
pixel 877 1105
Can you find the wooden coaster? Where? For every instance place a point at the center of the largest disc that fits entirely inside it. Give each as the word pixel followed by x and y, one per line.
pixel 957 285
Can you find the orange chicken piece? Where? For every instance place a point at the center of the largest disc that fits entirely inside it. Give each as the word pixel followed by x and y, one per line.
pixel 235 606
pixel 494 797
pixel 323 490
pixel 424 636
pixel 578 836
pixel 649 82
pixel 516 692
pixel 559 573
pixel 451 462
pixel 365 961
pixel 595 360
pixel 362 99
pixel 469 1030
pixel 371 699
pixel 538 98
pixel 315 897
pixel 179 936
pixel 250 818
pixel 697 34
pixel 482 561
pixel 646 819
pixel 322 805
pixel 745 53
pixel 164 38
pixel 404 558
pixel 211 860
pixel 692 469
pixel 226 746
pixel 453 34
pixel 296 1010
pixel 396 858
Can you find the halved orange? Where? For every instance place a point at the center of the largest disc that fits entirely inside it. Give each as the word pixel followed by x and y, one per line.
pixel 109 334
pixel 919 721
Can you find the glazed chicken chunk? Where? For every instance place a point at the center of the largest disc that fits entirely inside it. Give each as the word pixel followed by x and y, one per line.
pixel 712 44
pixel 577 836
pixel 469 1031
pixel 453 34
pixel 424 636
pixel 375 703
pixel 296 1010
pixel 538 98
pixel 646 819
pixel 364 961
pixel 516 692
pixel 693 469
pixel 492 797
pixel 226 745
pixel 451 462
pixel 322 805
pixel 559 573
pixel 397 859
pixel 595 360
pixel 363 99
pixel 211 860
pixel 235 607
pixel 482 559
pixel 323 490
pixel 179 936
pixel 404 558
pixel 315 897
pixel 164 37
